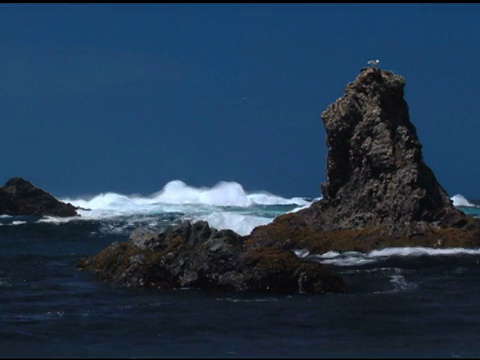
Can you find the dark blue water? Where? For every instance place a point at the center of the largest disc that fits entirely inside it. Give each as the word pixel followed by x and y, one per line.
pixel 399 306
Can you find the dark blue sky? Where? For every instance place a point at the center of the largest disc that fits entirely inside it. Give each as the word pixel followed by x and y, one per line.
pixel 125 98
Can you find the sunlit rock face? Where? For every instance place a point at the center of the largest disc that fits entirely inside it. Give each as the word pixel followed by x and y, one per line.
pixel 378 189
pixel 375 170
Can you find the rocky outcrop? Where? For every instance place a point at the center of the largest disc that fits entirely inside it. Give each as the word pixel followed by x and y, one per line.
pixel 375 171
pixel 198 256
pixel 378 193
pixel 378 190
pixel 20 197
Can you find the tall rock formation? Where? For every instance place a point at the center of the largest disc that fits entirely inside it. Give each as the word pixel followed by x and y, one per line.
pixel 378 190
pixel 375 170
pixel 20 197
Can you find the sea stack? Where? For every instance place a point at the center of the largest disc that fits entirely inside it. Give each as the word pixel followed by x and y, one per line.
pixel 20 197
pixel 378 190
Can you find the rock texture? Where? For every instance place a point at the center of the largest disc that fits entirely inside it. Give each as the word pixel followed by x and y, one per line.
pixel 198 256
pixel 375 171
pixel 378 190
pixel 20 197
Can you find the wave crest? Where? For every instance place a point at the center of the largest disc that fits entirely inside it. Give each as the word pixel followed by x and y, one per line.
pixel 225 206
pixel 460 200
pixel 176 192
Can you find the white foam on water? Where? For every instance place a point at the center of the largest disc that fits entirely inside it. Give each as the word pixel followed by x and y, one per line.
pixel 348 261
pixel 17 222
pixel 420 251
pixel 266 198
pixel 224 193
pixel 353 258
pixel 176 192
pixel 459 200
pixel 56 220
pixel 330 255
pixel 241 224
pixel 301 253
pixel 210 204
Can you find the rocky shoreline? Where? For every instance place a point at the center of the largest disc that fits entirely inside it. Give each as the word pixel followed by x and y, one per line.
pixel 378 193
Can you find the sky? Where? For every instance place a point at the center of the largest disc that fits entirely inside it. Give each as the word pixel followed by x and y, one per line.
pixel 125 98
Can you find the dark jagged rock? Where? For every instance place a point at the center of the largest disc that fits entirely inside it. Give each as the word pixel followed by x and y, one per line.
pixel 20 197
pixel 378 190
pixel 198 256
pixel 375 171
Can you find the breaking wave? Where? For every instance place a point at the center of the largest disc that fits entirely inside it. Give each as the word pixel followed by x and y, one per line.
pixel 176 192
pixel 459 200
pixel 225 206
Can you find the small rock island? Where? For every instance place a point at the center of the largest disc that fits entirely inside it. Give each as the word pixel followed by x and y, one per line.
pixel 198 256
pixel 378 193
pixel 20 197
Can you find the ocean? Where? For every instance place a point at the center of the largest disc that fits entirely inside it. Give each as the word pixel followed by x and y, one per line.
pixel 402 302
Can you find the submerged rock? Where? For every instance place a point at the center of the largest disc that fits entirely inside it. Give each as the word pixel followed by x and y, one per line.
pixel 378 190
pixel 20 197
pixel 196 255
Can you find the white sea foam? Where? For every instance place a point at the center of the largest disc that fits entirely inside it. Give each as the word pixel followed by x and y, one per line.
pixel 56 220
pixel 301 252
pixel 330 255
pixel 17 222
pixel 224 193
pixel 459 200
pixel 353 258
pixel 420 251
pixel 211 204
pixel 347 260
pixel 177 192
pixel 241 224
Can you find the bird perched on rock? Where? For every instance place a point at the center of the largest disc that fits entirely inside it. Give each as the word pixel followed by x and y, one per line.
pixel 373 62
